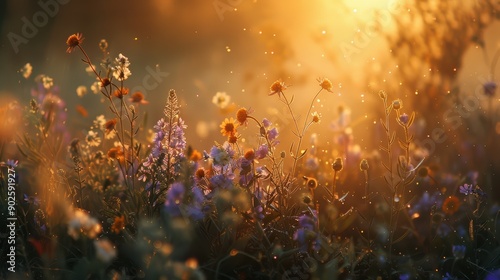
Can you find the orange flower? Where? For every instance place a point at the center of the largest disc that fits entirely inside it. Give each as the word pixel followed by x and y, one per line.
pixel 228 127
pixel 105 82
pixel 118 225
pixel 325 84
pixel 242 115
pixel 232 139
pixel 195 156
pixel 249 154
pixel 138 97
pixel 200 173
pixel 277 87
pixel 451 205
pixel 74 41
pixel 115 152
pixel 110 125
pixel 120 93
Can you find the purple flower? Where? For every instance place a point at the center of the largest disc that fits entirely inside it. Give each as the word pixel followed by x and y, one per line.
pixel 266 122
pixel 262 151
pixel 489 88
pixel 306 221
pixel 221 181
pixel 466 189
pixel 403 118
pixel 272 134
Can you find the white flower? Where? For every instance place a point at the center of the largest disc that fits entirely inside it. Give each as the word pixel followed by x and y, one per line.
pixel 121 71
pixel 81 91
pixel 99 122
pixel 93 139
pixel 82 224
pixel 104 250
pixel 26 70
pixel 96 87
pixel 221 99
pixel 48 82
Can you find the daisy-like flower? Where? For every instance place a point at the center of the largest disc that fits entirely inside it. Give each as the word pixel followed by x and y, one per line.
pixel 121 71
pixel 47 82
pixel 95 87
pixel 118 224
pixel 277 88
pixel 451 205
pixel 81 91
pixel 325 84
pixel 74 41
pixel 26 70
pixel 138 98
pixel 228 127
pixel 221 99
pixel 93 139
pixel 83 224
pixel 242 116
pixel 121 92
pixel 109 126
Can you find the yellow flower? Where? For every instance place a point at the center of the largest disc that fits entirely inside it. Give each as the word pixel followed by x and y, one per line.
pixel 228 127
pixel 118 225
pixel 325 84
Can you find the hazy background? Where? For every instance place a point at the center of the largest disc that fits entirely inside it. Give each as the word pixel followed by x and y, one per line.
pixel 241 51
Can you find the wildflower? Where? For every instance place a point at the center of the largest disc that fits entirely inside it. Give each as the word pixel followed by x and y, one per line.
pixel 489 88
pixel 249 154
pixel 105 251
pixel 316 117
pixel 121 71
pixel 337 164
pixel 242 115
pixel 74 41
pixel 115 152
pixel 109 126
pixel 81 223
pixel 82 111
pixel 228 127
pixel 221 154
pixel 121 92
pixel 363 166
pixel 103 45
pixel 397 104
pixel 266 123
pixel 221 99
pixel 26 70
pixel 200 173
pixel 195 156
pixel 92 139
pixel 221 181
pixel 118 224
pixel 278 87
pixel 325 84
pixel 272 134
pixel 262 151
pixel 138 97
pixel 175 195
pixel 466 189
pixel 404 118
pixel 105 82
pixel 81 91
pixel 47 82
pixel 458 251
pixel 451 205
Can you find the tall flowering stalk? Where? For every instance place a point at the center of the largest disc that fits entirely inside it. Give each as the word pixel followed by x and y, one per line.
pixel 161 167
